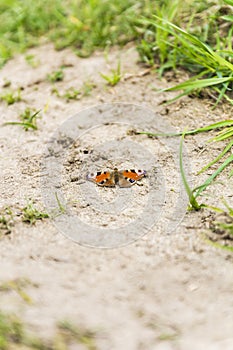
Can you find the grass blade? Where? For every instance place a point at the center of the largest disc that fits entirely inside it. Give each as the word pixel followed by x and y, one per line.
pixel 25 125
pixel 198 190
pixel 217 125
pixel 226 149
pixel 193 204
pixel 198 84
pixel 223 135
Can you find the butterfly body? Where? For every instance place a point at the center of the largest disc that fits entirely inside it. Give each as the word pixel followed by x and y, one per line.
pixel 122 178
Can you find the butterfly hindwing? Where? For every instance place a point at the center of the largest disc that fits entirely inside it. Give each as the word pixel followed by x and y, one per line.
pixel 102 178
pixel 127 178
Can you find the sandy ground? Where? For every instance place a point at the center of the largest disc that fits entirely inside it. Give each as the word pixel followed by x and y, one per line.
pixel 156 288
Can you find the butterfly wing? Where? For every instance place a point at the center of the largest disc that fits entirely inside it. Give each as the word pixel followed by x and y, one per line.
pixel 104 179
pixel 127 178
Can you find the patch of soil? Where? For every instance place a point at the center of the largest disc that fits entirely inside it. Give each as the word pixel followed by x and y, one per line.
pixel 164 291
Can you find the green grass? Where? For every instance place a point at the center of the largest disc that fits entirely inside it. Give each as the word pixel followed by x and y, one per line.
pixel 193 35
pixel 153 46
pixel 224 132
pixel 73 93
pixel 13 335
pixel 84 25
pixel 114 77
pixel 6 221
pixel 225 158
pixel 23 22
pixel 193 204
pixel 206 55
pixel 221 228
pixel 28 119
pixel 55 76
pixel 226 226
pixel 11 331
pixel 88 25
pixel 69 332
pixel 220 234
pixel 61 207
pixel 167 337
pixel 11 97
pixel 18 285
pixel 32 60
pixel 30 214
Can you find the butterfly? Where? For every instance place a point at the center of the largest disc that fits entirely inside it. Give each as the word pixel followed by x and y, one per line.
pixel 122 178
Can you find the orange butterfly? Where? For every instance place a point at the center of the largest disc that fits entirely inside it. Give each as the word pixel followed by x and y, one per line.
pixel 122 178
